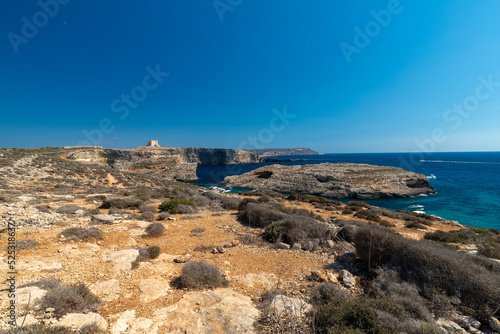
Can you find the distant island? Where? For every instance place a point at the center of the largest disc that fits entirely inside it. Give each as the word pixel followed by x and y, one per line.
pixel 273 152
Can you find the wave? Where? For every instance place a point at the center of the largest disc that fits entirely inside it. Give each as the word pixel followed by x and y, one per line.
pixel 461 162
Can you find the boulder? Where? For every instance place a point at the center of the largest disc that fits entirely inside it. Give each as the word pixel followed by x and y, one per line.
pixel 204 312
pixel 102 219
pixel 347 279
pixel 106 290
pixel 282 245
pixel 78 320
pixel 152 289
pixel 251 280
pixel 183 258
pixel 494 324
pixel 31 294
pixel 466 322
pixel 123 322
pixel 121 260
pixel 295 306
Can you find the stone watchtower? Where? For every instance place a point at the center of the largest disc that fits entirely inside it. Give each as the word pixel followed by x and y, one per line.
pixel 153 143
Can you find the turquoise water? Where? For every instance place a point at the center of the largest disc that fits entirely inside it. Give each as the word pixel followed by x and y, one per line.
pixel 467 184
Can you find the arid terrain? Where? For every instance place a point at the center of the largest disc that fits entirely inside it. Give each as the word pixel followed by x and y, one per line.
pixel 282 261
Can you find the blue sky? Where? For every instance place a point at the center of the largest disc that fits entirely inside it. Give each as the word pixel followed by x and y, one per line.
pixel 234 65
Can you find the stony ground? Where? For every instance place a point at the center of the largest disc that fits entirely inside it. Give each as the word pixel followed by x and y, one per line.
pixel 144 299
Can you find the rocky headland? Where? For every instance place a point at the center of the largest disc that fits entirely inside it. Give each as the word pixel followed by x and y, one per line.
pixel 342 180
pixel 273 152
pixel 178 163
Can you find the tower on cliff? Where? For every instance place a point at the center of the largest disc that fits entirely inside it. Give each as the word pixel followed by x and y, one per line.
pixel 153 143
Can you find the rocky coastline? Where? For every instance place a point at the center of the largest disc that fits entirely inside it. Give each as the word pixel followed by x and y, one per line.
pixel 343 180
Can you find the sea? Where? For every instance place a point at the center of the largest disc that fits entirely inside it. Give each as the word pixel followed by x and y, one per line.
pixel 467 183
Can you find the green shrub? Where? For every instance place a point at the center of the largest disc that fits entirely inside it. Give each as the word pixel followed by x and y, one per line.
pixel 199 275
pixel 171 206
pixel 154 252
pixel 386 223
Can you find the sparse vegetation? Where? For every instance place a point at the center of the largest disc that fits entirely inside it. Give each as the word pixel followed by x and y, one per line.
pixel 171 206
pixel 201 275
pixel 26 244
pixel 154 230
pixel 148 216
pixel 70 299
pixel 72 210
pixel 122 203
pixel 80 233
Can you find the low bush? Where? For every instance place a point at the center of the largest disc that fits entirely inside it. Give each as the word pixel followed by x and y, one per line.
pixel 386 223
pixel 243 204
pixel 230 203
pixel 432 268
pixel 122 203
pixel 198 230
pixel 347 211
pixel 115 211
pixel 171 206
pixel 415 225
pixel 199 275
pixel 72 210
pixel 334 311
pixel 38 329
pixel 186 209
pixel 462 236
pixel 43 208
pixel 75 298
pixel 148 216
pixel 295 229
pixel 359 204
pixel 146 253
pixel 154 230
pixel 368 215
pixel 294 196
pixel 80 233
pixel 259 215
pixel 490 249
pixel 25 244
pixel 147 208
pixel 201 201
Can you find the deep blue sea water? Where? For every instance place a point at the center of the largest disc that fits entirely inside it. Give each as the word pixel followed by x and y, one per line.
pixel 467 184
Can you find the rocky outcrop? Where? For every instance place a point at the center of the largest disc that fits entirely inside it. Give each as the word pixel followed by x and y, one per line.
pixel 342 180
pixel 274 152
pixel 175 163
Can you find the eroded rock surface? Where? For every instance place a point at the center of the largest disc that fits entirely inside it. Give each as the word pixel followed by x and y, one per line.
pixel 335 180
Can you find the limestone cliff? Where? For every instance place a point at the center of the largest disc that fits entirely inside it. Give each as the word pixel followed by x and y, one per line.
pixel 341 180
pixel 175 163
